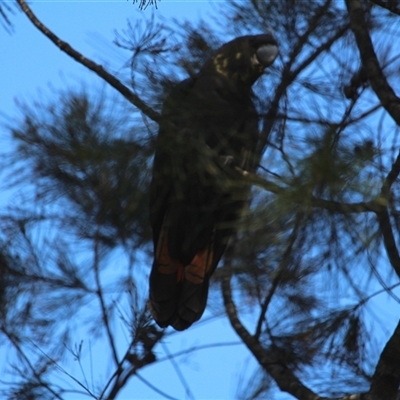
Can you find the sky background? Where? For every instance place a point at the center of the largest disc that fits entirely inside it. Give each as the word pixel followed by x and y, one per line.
pixel 31 67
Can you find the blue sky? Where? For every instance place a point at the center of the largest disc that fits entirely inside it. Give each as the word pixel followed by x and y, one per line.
pixel 32 67
pixel 33 61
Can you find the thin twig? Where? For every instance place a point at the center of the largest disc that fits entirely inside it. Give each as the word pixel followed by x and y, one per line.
pixel 31 367
pixel 198 348
pixel 178 372
pixel 281 269
pixel 375 206
pixel 78 382
pixel 121 376
pixel 377 293
pixel 288 76
pixel 99 292
pixel 392 6
pixel 155 388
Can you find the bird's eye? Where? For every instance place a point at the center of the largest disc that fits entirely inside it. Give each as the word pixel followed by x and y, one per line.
pixel 267 53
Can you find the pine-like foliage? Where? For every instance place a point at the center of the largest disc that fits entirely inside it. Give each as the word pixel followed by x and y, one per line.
pixel 316 252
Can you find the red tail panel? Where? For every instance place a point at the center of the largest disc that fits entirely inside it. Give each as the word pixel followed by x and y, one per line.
pixel 178 293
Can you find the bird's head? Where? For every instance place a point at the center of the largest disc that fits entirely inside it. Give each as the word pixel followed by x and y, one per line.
pixel 244 59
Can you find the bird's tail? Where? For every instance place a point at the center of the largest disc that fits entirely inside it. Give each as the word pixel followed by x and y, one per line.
pixel 178 292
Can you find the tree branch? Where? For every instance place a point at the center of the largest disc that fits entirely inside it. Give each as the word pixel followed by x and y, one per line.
pixel 121 375
pixel 389 240
pixel 386 379
pixel 370 62
pixel 376 205
pixel 288 76
pixel 391 177
pixel 96 68
pixel 283 376
pixel 383 216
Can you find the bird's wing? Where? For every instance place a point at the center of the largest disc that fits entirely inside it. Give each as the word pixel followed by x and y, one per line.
pixel 195 199
pixel 185 212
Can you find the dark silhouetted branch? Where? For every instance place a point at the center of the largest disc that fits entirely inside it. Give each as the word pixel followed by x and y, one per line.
pixel 391 177
pixel 370 62
pixel 36 374
pixel 283 376
pixel 386 379
pixel 383 216
pixel 389 240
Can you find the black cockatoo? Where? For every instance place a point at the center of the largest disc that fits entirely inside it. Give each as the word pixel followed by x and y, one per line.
pixel 208 131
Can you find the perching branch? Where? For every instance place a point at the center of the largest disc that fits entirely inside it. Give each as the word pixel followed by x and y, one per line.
pixel 376 205
pixel 96 68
